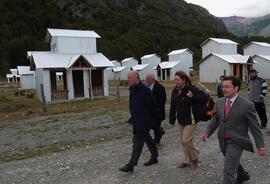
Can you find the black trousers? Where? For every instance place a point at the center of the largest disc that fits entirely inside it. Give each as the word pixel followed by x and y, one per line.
pixel 260 108
pixel 158 132
pixel 138 143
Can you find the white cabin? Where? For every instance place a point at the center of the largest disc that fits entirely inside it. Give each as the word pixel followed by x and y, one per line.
pixel 262 65
pixel 256 48
pixel 27 77
pixel 215 65
pixel 218 46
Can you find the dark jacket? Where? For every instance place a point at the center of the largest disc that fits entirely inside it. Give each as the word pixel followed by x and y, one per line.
pixel 143 109
pixel 160 96
pixel 220 90
pixel 182 105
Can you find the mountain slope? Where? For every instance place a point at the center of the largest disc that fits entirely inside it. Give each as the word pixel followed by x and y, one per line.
pixel 242 26
pixel 127 27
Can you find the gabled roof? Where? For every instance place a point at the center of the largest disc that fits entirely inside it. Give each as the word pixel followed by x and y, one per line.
pixel 116 63
pixel 119 69
pixel 263 44
pixel 180 51
pixel 148 56
pixel 51 32
pixel 168 64
pixel 139 67
pixel 24 70
pixel 232 59
pixel 219 40
pixel 128 59
pixel 267 57
pixel 9 75
pixel 29 53
pixel 53 60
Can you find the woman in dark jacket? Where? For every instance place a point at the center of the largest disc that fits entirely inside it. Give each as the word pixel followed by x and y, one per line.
pixel 184 96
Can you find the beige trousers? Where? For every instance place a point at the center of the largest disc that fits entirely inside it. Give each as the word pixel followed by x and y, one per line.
pixel 186 136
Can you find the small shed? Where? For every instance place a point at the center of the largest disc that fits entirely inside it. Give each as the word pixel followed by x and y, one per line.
pixel 84 75
pixel 256 48
pixel 128 62
pixel 110 71
pixel 166 70
pixel 262 65
pixel 14 77
pixel 215 65
pixel 143 70
pixel 120 72
pixel 218 46
pixel 27 77
pixel 185 56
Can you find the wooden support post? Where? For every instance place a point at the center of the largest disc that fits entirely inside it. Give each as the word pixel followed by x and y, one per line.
pixel 45 108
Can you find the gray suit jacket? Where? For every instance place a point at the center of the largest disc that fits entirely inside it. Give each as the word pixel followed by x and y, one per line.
pixel 240 119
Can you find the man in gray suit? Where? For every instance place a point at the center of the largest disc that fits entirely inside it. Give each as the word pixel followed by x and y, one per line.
pixel 234 117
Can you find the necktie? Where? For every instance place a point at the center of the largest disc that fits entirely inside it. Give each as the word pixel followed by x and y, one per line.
pixel 227 108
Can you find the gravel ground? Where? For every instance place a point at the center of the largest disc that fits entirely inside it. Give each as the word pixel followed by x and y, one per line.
pixel 99 164
pixel 89 147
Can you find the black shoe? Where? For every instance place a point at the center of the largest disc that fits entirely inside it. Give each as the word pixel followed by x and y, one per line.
pixel 151 162
pixel 126 168
pixel 244 177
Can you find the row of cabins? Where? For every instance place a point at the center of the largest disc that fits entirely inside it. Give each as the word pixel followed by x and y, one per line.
pixel 219 57
pixel 74 69
pixel 178 60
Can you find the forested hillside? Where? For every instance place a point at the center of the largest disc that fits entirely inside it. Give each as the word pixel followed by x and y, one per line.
pixel 127 27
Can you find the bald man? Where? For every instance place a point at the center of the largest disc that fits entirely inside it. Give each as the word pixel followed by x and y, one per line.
pixel 159 93
pixel 143 110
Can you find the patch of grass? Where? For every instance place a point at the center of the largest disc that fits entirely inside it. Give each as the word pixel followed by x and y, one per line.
pixel 61 146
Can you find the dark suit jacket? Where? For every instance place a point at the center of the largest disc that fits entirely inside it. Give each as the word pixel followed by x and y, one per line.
pixel 143 109
pixel 160 96
pixel 241 118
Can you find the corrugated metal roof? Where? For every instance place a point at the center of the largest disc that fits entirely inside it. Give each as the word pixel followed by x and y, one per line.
pixel 116 63
pixel 9 76
pixel 72 33
pixel 98 60
pixel 263 44
pixel 239 59
pixel 148 56
pixel 29 53
pixel 168 64
pixel 127 59
pixel 140 67
pixel 24 70
pixel 267 57
pixel 119 69
pixel 180 51
pixel 52 60
pixel 219 40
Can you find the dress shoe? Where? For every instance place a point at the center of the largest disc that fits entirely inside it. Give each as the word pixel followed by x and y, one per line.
pixel 151 162
pixel 182 165
pixel 244 177
pixel 126 168
pixel 195 164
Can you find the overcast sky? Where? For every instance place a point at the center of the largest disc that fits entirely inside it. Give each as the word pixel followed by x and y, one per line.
pixel 224 8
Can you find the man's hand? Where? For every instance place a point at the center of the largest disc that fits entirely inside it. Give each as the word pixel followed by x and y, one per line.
pixel 262 151
pixel 204 137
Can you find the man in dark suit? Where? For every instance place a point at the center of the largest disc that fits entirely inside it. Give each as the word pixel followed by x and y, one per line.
pixel 143 110
pixel 235 116
pixel 160 96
